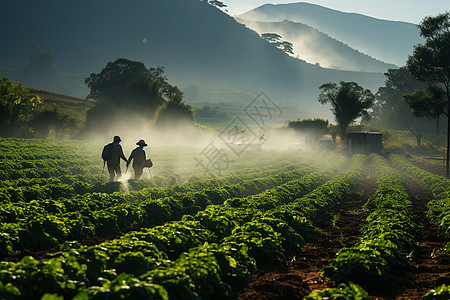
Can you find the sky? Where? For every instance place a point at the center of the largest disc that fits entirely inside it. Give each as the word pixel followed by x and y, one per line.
pixel 412 11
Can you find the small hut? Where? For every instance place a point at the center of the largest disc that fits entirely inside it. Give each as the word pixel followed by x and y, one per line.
pixel 364 142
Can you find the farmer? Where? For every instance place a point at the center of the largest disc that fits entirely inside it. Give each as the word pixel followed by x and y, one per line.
pixel 138 157
pixel 112 153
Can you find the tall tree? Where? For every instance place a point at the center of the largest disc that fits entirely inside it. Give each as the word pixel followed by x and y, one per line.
pixel 390 111
pixel 349 101
pixel 110 85
pixel 424 104
pixel 125 88
pixel 430 61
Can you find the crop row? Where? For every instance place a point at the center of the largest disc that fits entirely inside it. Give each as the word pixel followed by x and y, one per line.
pixel 42 223
pixel 394 247
pixel 387 238
pixel 188 259
pixel 68 186
pixel 29 159
pixel 354 291
pixel 82 172
pixel 439 208
pixel 45 223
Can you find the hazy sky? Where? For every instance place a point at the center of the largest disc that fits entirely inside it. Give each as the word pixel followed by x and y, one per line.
pixel 398 10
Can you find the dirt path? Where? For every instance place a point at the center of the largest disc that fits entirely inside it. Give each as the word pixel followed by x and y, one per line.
pixel 301 276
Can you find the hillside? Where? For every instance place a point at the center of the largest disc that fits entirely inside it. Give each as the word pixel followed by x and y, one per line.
pixel 388 41
pixel 195 42
pixel 314 46
pixel 72 105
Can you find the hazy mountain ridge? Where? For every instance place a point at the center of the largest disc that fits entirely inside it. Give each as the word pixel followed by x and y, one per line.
pixel 314 46
pixel 389 41
pixel 196 43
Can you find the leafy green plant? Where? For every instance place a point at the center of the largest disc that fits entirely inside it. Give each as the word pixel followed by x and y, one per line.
pixel 342 292
pixel 439 293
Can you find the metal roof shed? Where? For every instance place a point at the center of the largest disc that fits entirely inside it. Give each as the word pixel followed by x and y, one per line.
pixel 364 142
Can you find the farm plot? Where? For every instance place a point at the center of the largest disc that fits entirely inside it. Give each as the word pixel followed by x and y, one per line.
pixel 267 226
pixel 43 219
pixel 385 245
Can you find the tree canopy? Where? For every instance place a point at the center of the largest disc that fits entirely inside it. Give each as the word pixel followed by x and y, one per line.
pixel 427 103
pixel 390 110
pixel 216 3
pixel 312 128
pixel 349 101
pixel 126 89
pixel 16 107
pixel 430 62
pixel 175 110
pixel 277 41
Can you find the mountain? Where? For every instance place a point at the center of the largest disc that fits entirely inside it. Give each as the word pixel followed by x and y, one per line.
pixel 195 42
pixel 314 46
pixel 389 41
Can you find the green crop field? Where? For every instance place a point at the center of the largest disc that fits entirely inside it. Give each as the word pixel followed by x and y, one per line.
pixel 186 232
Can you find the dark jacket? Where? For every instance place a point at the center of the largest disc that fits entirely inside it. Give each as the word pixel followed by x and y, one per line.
pixel 138 157
pixel 116 154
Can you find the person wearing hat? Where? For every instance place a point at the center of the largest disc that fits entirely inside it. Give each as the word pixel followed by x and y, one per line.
pixel 138 157
pixel 112 153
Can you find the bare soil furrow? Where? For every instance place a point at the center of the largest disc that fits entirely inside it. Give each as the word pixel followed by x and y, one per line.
pixel 299 277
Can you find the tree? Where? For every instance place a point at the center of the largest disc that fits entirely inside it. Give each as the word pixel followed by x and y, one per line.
pixel 430 62
pixel 390 110
pixel 428 103
pixel 16 107
pixel 175 111
pixel 110 85
pixel 349 101
pixel 277 41
pixel 128 84
pixel 123 90
pixel 216 3
pixel 51 123
pixel 212 114
pixel 39 70
pixel 312 128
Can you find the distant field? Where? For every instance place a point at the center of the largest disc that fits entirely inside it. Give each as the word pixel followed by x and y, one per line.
pixel 74 106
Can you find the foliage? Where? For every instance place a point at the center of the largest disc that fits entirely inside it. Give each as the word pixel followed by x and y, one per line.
pixel 429 62
pixel 175 112
pixel 50 122
pixel 313 128
pixel 126 86
pixel 390 110
pixel 277 41
pixel 182 259
pixel 439 293
pixel 342 292
pixel 439 208
pixel 429 103
pixel 380 255
pixel 16 108
pixel 349 101
pixel 216 3
pixel 213 114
